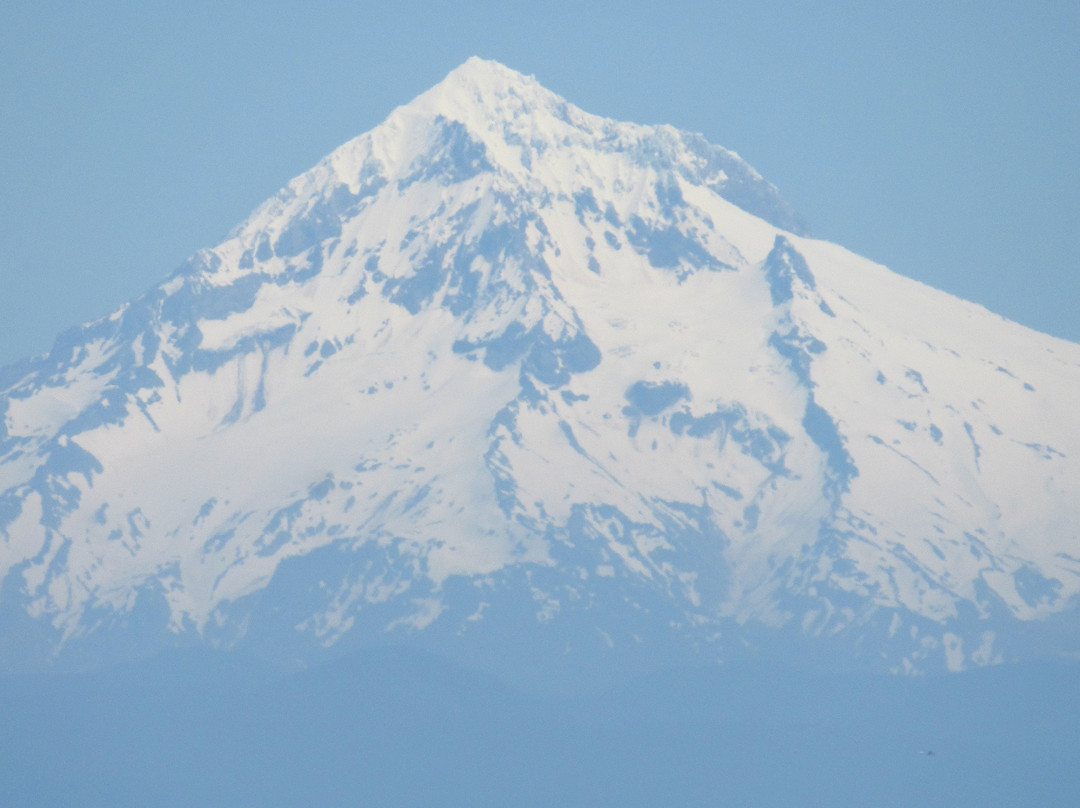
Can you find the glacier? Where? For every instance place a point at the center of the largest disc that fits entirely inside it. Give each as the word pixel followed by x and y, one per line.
pixel 552 395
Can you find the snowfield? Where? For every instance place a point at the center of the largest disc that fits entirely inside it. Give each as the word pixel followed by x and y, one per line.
pixel 500 368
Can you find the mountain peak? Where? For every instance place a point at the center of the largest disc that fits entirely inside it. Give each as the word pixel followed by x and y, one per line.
pixel 476 72
pixel 481 87
pixel 533 137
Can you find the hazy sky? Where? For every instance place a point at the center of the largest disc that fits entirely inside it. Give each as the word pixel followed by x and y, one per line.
pixel 939 138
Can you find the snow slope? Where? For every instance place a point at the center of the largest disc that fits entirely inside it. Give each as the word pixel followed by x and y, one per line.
pixel 502 369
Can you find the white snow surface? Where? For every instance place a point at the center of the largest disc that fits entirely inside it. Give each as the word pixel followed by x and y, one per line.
pixel 810 445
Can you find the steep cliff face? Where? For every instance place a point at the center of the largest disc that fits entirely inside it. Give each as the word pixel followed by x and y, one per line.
pixel 526 385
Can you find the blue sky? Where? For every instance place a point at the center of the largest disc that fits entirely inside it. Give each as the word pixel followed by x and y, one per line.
pixel 939 138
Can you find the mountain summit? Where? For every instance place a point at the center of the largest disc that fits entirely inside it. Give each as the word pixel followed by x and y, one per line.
pixel 550 394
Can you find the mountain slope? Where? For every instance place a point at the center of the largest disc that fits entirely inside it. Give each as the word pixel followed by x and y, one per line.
pixel 516 382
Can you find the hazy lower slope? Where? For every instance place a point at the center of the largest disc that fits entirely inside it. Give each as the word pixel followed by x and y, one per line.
pixel 397 729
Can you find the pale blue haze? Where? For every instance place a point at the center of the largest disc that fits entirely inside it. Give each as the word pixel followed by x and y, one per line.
pixel 938 139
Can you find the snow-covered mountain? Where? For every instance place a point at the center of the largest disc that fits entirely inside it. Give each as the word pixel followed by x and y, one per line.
pixel 542 391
